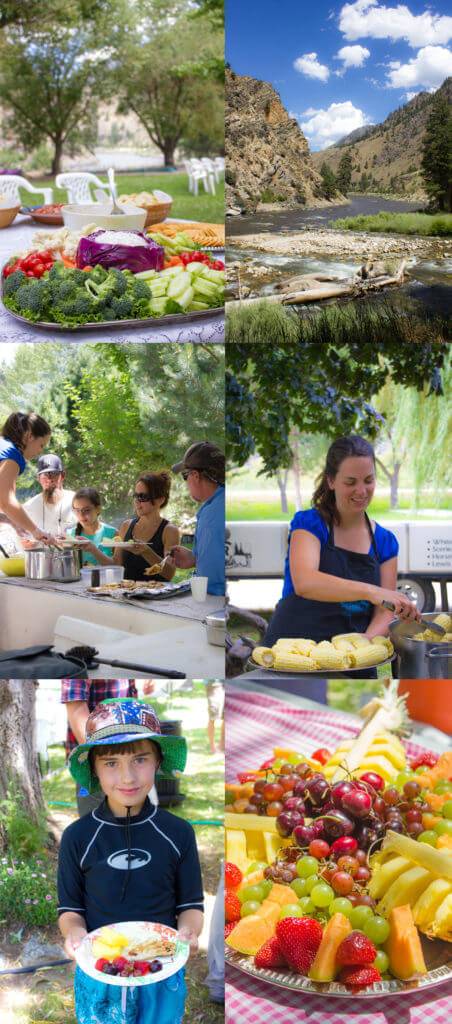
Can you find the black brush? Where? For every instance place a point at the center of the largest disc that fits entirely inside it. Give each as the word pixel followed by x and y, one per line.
pixel 88 655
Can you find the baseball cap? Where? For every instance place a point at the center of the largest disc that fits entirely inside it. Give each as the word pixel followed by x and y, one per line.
pixel 49 464
pixel 203 455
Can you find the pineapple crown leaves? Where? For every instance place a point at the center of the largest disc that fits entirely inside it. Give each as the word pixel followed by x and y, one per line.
pixel 390 706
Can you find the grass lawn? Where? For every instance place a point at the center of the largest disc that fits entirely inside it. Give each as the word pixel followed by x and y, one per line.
pixel 203 207
pixel 439 224
pixel 269 508
pixel 47 995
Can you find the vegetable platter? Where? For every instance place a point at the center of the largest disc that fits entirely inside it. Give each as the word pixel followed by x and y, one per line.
pixel 338 866
pixel 103 278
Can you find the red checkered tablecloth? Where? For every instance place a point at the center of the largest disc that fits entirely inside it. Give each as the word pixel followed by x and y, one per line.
pixel 255 724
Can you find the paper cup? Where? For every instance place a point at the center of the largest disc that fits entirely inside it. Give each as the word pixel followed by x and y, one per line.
pixel 199 588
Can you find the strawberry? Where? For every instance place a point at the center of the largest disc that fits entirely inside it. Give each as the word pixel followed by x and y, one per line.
pixel 429 759
pixel 355 950
pixel 100 964
pixel 299 939
pixel 232 875
pixel 228 928
pixel 120 961
pixel 232 907
pixel 359 977
pixel 322 754
pixel 270 954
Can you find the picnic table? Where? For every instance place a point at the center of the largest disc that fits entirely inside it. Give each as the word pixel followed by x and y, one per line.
pixel 19 235
pixel 255 722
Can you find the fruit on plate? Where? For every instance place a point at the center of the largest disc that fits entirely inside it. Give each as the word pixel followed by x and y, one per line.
pixel 270 955
pixel 411 875
pixel 299 939
pixel 251 837
pixel 403 945
pixel 324 967
pixel 376 748
pixel 254 929
pixel 109 943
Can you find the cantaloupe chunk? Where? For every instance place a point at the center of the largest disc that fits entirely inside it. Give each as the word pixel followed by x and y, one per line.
pixel 324 967
pixel 403 947
pixel 444 843
pixel 252 878
pixel 250 933
pixel 269 911
pixel 282 894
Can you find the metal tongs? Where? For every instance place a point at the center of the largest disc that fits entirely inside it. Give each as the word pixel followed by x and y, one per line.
pixel 155 569
pixel 54 544
pixel 418 626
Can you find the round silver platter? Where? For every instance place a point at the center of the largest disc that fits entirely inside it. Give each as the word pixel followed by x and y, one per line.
pixel 383 667
pixel 184 319
pixel 438 958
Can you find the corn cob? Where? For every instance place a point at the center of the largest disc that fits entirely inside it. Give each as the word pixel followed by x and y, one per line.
pixel 286 662
pixel 263 656
pixel 356 639
pixel 383 641
pixel 327 656
pixel 365 657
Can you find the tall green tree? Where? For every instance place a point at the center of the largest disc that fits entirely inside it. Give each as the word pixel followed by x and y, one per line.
pixel 167 72
pixel 437 154
pixel 50 84
pixel 344 172
pixel 328 181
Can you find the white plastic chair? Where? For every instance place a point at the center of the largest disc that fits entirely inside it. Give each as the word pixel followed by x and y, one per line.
pixel 77 185
pixel 11 183
pixel 196 173
pixel 211 167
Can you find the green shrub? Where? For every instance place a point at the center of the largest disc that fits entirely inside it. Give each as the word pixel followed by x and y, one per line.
pixel 24 836
pixel 27 892
pixel 268 196
pixel 262 321
pixel 439 225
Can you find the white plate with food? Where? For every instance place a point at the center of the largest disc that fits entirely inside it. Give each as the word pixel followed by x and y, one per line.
pixel 112 953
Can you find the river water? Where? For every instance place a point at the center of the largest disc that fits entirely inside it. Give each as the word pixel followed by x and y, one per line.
pixel 296 220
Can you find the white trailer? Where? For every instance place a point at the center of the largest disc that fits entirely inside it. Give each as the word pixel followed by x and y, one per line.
pixel 257 550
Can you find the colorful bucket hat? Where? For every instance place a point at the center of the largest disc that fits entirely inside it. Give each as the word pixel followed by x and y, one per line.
pixel 124 721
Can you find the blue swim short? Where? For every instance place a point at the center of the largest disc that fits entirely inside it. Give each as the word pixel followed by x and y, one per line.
pixel 160 1003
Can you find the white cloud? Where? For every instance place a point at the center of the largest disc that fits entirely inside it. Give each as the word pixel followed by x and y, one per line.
pixel 410 96
pixel 367 18
pixel 324 127
pixel 353 56
pixel 308 65
pixel 429 68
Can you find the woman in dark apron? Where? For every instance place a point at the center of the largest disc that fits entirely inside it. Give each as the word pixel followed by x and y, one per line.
pixel 330 588
pixel 152 534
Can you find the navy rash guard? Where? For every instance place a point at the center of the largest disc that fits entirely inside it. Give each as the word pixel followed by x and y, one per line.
pixel 164 877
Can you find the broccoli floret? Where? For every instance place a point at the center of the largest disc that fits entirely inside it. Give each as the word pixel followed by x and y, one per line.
pixel 58 271
pixel 79 306
pixel 63 289
pixel 97 274
pixel 140 309
pixel 13 282
pixel 138 289
pixel 78 276
pixel 109 313
pixel 32 297
pixel 123 307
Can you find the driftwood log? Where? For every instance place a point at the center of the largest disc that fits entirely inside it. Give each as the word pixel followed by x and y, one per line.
pixel 357 286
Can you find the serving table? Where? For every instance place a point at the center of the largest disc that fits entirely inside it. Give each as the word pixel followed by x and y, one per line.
pixel 19 235
pixel 170 632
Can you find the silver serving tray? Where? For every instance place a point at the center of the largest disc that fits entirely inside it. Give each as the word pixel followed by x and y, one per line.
pixel 184 319
pixel 165 590
pixel 325 673
pixel 438 958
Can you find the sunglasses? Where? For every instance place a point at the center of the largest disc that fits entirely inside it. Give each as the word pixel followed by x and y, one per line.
pixel 139 496
pixel 186 472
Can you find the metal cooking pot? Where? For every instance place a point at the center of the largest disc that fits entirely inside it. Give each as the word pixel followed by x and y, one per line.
pixel 53 564
pixel 439 660
pixel 216 628
pixel 414 662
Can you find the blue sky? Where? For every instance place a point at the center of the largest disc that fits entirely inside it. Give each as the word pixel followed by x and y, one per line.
pixel 340 66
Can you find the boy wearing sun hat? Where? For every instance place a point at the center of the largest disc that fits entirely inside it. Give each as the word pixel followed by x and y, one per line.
pixel 127 860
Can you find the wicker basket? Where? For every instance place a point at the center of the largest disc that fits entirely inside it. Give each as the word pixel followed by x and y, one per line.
pixel 158 212
pixel 8 213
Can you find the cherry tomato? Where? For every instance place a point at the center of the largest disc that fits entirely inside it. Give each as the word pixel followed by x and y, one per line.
pixel 39 269
pixel 217 265
pixel 30 273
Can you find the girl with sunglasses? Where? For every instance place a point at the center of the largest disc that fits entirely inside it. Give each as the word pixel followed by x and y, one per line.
pixel 153 535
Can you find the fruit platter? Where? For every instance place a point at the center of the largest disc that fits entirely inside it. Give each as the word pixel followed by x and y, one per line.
pixel 339 862
pixel 346 652
pixel 80 280
pixel 132 953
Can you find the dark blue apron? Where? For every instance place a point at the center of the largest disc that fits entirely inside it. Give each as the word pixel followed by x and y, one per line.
pixel 320 620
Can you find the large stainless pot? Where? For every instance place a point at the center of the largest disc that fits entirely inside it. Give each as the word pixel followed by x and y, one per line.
pixel 439 660
pixel 413 660
pixel 53 564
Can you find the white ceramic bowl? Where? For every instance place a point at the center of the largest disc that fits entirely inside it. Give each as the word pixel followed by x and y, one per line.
pixel 78 216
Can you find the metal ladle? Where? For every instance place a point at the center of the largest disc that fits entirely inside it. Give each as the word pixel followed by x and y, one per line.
pixel 115 210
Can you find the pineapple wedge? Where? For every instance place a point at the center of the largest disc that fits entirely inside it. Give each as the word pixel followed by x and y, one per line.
pixel 424 882
pixel 385 755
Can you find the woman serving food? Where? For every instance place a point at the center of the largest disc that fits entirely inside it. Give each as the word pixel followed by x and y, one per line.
pixel 24 436
pixel 147 533
pixel 340 565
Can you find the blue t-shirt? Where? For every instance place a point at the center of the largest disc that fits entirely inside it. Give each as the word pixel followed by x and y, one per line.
pixel 208 547
pixel 8 450
pixel 386 543
pixel 100 539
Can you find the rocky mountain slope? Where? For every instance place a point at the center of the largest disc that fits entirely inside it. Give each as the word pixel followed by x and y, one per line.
pixel 267 155
pixel 388 159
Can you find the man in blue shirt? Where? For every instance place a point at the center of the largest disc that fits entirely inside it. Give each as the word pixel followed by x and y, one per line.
pixel 203 469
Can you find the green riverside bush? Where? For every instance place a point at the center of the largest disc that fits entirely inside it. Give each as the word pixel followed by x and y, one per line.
pixel 27 892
